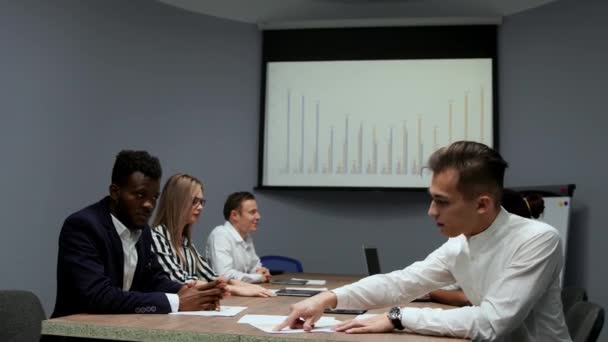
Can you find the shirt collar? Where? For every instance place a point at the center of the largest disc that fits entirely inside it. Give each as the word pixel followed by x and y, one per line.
pixel 167 235
pixel 123 232
pixel 492 231
pixel 235 233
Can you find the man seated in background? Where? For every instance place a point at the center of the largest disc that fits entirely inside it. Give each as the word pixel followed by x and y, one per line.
pixel 230 246
pixel 106 264
pixel 507 266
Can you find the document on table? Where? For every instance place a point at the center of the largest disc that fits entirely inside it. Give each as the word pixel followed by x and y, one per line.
pixel 267 322
pixel 225 311
pixel 302 288
pixel 312 281
pixel 308 288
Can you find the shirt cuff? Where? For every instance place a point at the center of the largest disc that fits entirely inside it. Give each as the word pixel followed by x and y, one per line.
pixel 341 298
pixel 173 301
pixel 256 278
pixel 409 317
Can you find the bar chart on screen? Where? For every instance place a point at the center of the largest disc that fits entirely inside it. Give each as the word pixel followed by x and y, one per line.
pixel 370 123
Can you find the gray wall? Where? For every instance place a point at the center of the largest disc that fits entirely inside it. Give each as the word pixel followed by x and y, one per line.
pixel 553 121
pixel 82 80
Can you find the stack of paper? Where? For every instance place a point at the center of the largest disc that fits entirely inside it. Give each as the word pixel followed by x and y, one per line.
pixel 267 322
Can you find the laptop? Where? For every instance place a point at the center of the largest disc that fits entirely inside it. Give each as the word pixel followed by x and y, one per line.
pixel 371 260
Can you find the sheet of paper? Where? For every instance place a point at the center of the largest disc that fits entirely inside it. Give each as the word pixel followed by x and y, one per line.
pixel 318 282
pixel 308 288
pixel 302 288
pixel 225 311
pixel 267 322
pixel 318 328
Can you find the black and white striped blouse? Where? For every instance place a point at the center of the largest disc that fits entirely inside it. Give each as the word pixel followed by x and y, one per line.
pixel 171 263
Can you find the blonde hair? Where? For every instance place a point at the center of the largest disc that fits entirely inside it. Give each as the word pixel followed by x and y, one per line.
pixel 174 207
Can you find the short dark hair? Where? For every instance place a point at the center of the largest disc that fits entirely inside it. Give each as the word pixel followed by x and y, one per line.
pixel 480 168
pixel 127 162
pixel 515 203
pixel 528 205
pixel 234 201
pixel 536 203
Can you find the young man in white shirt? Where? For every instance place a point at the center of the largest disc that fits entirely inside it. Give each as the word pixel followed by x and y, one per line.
pixel 230 246
pixel 507 266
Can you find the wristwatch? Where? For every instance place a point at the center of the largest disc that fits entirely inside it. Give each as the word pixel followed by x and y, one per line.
pixel 394 315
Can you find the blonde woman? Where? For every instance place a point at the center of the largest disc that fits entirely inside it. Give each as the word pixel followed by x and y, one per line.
pixel 180 205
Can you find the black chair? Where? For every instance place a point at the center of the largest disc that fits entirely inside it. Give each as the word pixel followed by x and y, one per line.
pixel 571 296
pixel 585 321
pixel 21 316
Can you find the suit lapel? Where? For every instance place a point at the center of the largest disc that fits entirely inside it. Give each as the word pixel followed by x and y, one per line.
pixel 143 264
pixel 116 253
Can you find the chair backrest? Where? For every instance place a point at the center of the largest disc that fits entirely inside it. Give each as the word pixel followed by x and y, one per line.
pixel 278 264
pixel 21 315
pixel 585 321
pixel 371 260
pixel 572 295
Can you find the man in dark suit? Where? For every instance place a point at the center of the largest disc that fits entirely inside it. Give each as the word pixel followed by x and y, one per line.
pixel 106 264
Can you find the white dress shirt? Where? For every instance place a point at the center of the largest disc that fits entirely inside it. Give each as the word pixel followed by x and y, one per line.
pixel 231 255
pixel 129 240
pixel 510 273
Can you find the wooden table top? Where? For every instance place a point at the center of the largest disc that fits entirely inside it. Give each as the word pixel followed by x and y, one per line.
pixel 142 327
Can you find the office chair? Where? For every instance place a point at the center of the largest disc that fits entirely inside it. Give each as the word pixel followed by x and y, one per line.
pixel 585 321
pixel 371 260
pixel 278 264
pixel 21 316
pixel 571 296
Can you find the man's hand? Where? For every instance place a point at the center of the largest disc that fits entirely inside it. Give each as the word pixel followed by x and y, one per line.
pixel 376 324
pixel 305 313
pixel 250 290
pixel 264 272
pixel 201 296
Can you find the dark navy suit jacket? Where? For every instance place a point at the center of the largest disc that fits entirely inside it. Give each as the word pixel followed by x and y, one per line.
pixel 90 269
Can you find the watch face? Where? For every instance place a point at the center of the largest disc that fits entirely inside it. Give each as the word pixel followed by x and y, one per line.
pixel 394 315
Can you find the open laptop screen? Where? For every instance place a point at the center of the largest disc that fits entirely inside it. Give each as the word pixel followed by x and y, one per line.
pixel 371 260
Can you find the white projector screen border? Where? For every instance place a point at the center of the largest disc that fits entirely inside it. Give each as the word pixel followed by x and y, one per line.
pixel 370 123
pixel 363 108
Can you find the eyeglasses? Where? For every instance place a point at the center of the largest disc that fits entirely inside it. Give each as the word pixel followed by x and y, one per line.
pixel 197 200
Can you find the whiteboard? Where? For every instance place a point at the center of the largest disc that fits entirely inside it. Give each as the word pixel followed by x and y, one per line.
pixel 557 214
pixel 558 204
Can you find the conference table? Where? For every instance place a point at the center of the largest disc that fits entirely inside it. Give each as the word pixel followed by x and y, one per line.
pixel 182 328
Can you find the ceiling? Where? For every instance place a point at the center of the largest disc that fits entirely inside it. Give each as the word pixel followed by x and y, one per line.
pixel 333 13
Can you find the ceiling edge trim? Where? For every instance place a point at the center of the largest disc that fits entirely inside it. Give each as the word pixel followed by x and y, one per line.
pixel 378 22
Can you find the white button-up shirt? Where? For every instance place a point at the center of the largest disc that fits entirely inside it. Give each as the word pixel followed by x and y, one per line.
pixel 510 273
pixel 231 255
pixel 129 240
